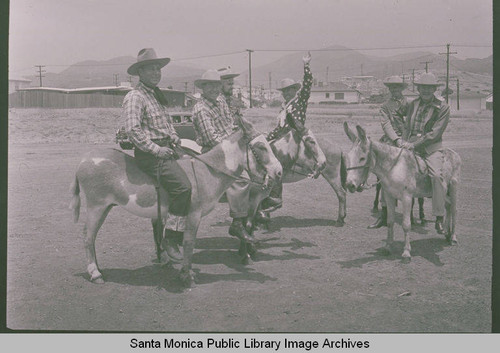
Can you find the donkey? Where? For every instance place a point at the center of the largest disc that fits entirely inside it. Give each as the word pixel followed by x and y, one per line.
pixel 399 171
pixel 302 156
pixel 111 177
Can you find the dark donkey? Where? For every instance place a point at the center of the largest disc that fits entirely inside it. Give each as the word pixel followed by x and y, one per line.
pixel 401 178
pixel 110 178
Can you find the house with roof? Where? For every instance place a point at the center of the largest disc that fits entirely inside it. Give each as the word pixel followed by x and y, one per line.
pixel 467 100
pixel 334 92
pixel 16 83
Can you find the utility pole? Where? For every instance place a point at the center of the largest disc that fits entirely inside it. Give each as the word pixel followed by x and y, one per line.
pixel 40 73
pixel 270 86
pixel 426 65
pixel 458 94
pixel 447 68
pixel 116 79
pixel 413 80
pixel 185 86
pixel 361 69
pixel 250 73
pixel 327 75
pixel 404 78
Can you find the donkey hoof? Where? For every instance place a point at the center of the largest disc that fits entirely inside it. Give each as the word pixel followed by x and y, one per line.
pixel 97 280
pixel 246 260
pixel 187 278
pixel 406 260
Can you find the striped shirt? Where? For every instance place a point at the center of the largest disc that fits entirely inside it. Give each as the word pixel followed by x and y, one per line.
pixel 146 119
pixel 212 122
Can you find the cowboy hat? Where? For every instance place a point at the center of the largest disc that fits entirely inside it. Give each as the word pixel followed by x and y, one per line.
pixel 146 56
pixel 226 73
pixel 395 81
pixel 210 76
pixel 427 79
pixel 288 83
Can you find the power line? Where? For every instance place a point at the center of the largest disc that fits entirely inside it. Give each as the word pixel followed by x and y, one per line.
pixel 378 48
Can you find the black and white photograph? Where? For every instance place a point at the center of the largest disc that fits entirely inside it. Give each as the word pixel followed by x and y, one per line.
pixel 231 166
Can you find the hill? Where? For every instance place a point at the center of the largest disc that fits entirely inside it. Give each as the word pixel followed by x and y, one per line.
pixel 329 64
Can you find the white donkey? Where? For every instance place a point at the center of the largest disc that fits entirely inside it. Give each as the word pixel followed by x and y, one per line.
pixel 110 178
pixel 402 175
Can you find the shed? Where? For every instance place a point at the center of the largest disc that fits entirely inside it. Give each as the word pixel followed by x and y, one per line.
pixel 334 92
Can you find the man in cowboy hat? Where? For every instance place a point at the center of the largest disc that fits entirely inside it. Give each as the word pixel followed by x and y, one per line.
pixel 149 128
pixel 213 122
pixel 293 109
pixel 227 77
pixel 392 124
pixel 426 120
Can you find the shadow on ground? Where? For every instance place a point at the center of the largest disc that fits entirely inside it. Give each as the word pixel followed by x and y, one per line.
pixel 425 248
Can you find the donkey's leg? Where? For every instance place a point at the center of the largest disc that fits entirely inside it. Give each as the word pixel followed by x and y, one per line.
pixel 391 206
pixel 377 195
pixel 407 202
pixel 421 214
pixel 451 212
pixel 95 217
pixel 192 223
pixel 332 176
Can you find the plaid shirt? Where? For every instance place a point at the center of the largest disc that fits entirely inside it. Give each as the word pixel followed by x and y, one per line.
pixel 212 122
pixel 296 108
pixel 146 119
pixel 422 112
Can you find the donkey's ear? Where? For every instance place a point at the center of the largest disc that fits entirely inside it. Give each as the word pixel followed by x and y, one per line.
pixel 349 132
pixel 361 134
pixel 246 126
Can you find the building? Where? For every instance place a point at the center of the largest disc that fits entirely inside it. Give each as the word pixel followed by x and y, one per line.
pixel 16 84
pixel 489 102
pixel 89 97
pixel 467 100
pixel 334 92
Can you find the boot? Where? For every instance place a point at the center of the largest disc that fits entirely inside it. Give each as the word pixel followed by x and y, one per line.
pixel 262 217
pixel 439 225
pixel 270 204
pixel 381 220
pixel 237 229
pixel 171 243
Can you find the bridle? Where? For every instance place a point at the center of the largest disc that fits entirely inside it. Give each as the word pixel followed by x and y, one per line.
pixel 263 185
pixel 315 171
pixel 366 166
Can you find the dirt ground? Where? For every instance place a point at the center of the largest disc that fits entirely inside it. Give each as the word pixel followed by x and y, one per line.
pixel 309 275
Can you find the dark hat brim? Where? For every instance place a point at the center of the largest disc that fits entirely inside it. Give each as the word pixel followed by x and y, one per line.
pixel 295 85
pixel 132 70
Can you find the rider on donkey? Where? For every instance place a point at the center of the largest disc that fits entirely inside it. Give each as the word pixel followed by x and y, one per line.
pixel 149 127
pixel 393 125
pixel 213 121
pixel 426 120
pixel 293 109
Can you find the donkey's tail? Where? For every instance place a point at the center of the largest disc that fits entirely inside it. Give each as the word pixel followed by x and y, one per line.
pixel 75 202
pixel 343 171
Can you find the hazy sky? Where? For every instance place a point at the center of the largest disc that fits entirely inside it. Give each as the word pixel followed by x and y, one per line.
pixel 56 33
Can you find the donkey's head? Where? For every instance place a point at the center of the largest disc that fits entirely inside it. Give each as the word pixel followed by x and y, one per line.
pixel 310 153
pixel 260 160
pixel 358 159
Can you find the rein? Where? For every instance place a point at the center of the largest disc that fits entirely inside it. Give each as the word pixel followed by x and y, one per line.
pixel 368 161
pixel 248 180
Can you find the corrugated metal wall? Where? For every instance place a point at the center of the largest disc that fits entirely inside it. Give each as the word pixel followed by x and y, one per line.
pixel 47 99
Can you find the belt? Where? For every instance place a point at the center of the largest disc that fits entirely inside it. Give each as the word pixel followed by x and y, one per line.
pixel 162 142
